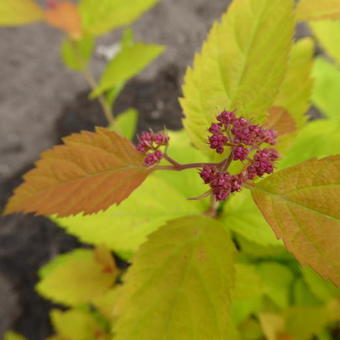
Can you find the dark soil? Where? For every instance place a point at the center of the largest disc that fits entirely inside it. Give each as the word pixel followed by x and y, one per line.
pixel 156 101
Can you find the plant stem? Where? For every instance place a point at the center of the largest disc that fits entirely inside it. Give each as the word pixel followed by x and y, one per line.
pixel 180 167
pixel 106 108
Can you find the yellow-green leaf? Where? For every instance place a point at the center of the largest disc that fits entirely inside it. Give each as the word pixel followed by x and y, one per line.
pixel 88 174
pixel 242 216
pixel 102 16
pixel 327 87
pixel 277 280
pixel 319 138
pixel 296 88
pixel 126 123
pixel 179 284
pixel 19 12
pixel 127 63
pixel 301 204
pixel 241 66
pixel 318 10
pixel 76 324
pixel 76 54
pixel 328 35
pixel 77 280
pixel 9 335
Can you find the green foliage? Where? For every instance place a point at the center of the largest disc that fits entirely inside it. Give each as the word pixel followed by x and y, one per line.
pixel 129 61
pixel 13 336
pixel 126 123
pixel 99 18
pixel 76 54
pixel 233 72
pixel 175 274
pixel 242 216
pixel 326 89
pixel 19 12
pixel 75 278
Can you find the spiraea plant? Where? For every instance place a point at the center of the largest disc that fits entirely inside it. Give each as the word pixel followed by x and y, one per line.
pixel 231 225
pixel 83 23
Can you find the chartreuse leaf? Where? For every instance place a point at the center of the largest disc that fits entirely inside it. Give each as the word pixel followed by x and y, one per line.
pixel 296 202
pixel 277 281
pixel 303 322
pixel 76 324
pixel 9 335
pixel 19 12
pixel 295 99
pixel 126 123
pixel 105 303
pixel 76 279
pixel 127 63
pixel 319 138
pixel 179 284
pixel 328 34
pixel 303 296
pixel 241 66
pixel 161 198
pixel 326 87
pixel 318 9
pixel 90 172
pixel 247 293
pixel 242 216
pixel 272 325
pixel 323 289
pixel 106 15
pixel 76 54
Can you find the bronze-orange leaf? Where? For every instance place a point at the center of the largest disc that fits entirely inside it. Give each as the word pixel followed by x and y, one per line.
pixel 280 120
pixel 65 16
pixel 89 173
pixel 301 204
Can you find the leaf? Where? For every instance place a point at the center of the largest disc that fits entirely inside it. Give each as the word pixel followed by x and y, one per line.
pixel 241 66
pixel 106 302
pixel 75 324
pixel 303 296
pixel 247 294
pixel 9 335
pixel 295 99
pixel 77 280
pixel 272 324
pixel 161 198
pixel 179 284
pixel 303 322
pixel 65 16
pixel 277 281
pixel 327 87
pixel 101 17
pixel 328 35
pixel 126 123
pixel 319 138
pixel 19 12
pixel 129 61
pixel 76 54
pixel 301 205
pixel 318 10
pixel 280 120
pixel 242 216
pixel 89 173
pixel 323 289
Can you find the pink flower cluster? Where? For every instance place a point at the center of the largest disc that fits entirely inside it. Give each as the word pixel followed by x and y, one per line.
pixel 245 140
pixel 232 131
pixel 149 144
pixel 222 183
